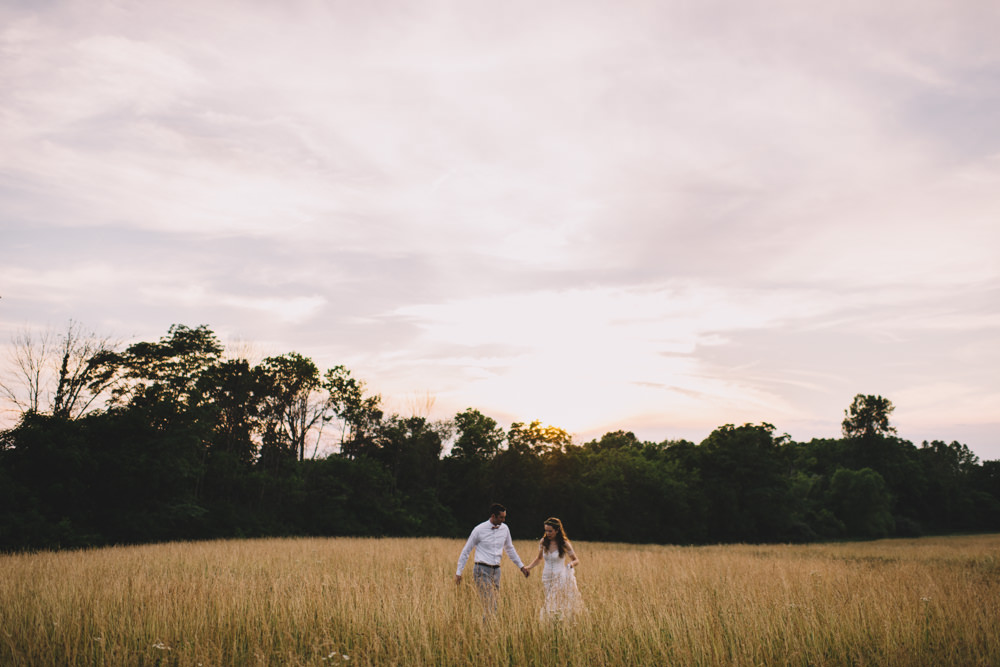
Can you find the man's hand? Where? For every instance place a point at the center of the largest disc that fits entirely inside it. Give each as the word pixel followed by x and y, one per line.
pixel 527 572
pixel 458 578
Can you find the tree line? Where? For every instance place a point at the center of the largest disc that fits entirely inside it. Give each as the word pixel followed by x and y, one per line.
pixel 173 440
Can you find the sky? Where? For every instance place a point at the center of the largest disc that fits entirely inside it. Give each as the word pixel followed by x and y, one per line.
pixel 659 217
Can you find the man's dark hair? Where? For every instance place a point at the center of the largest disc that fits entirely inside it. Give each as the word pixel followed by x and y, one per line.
pixel 497 508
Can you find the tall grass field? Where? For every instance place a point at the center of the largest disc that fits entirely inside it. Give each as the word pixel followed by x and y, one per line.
pixel 929 601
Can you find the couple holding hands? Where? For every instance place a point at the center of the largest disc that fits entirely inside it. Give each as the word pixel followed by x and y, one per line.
pixel 492 537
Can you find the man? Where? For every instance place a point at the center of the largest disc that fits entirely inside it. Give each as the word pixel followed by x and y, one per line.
pixel 490 539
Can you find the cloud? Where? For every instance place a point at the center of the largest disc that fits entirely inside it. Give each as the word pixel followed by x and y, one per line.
pixel 665 215
pixel 599 355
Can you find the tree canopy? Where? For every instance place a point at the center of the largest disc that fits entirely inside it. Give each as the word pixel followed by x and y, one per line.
pixel 174 440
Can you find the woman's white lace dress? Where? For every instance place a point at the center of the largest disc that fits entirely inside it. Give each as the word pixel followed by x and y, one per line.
pixel 562 597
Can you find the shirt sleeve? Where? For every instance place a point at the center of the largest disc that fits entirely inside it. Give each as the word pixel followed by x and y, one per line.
pixel 508 546
pixel 469 544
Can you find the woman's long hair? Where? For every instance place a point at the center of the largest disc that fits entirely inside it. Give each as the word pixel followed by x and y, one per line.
pixel 560 538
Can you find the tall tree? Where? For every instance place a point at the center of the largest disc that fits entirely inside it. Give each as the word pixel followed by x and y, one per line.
pixel 745 483
pixel 360 415
pixel 537 439
pixel 237 394
pixel 77 387
pixel 479 436
pixel 867 417
pixel 166 370
pixel 55 374
pixel 869 442
pixel 615 440
pixel 296 403
pixel 466 480
pixel 24 383
pixel 410 449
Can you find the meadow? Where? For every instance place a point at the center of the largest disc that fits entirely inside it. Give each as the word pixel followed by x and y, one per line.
pixel 927 601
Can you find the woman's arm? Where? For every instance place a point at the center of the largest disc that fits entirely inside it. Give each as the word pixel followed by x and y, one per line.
pixel 538 558
pixel 573 560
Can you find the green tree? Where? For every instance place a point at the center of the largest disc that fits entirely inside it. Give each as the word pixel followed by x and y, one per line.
pixel 410 450
pixel 745 484
pixel 295 403
pixel 234 411
pixel 869 442
pixel 360 415
pixel 620 493
pixel 479 436
pixel 343 496
pixel 466 486
pixel 168 370
pixel 949 498
pixel 861 500
pixel 985 480
pixel 236 393
pixel 615 440
pixel 537 439
pixel 868 417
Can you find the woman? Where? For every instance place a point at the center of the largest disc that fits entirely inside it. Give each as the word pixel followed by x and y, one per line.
pixel 562 597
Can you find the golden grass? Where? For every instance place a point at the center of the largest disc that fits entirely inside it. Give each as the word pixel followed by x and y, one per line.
pixel 930 601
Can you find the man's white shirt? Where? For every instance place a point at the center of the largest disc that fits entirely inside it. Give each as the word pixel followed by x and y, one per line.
pixel 489 542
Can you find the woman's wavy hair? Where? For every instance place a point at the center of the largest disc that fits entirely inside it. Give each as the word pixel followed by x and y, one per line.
pixel 561 540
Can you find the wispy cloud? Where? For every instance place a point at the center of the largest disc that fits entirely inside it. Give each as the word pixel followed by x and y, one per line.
pixel 660 217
